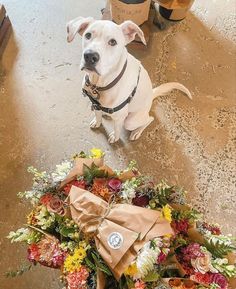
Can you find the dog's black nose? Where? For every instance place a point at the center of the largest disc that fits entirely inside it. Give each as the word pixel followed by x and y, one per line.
pixel 91 58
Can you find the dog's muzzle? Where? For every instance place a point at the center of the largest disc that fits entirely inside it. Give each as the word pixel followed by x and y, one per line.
pixel 91 58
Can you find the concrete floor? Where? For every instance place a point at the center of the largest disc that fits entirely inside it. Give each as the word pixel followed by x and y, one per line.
pixel 44 117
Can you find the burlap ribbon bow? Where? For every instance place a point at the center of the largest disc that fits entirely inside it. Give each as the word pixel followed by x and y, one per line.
pixel 120 230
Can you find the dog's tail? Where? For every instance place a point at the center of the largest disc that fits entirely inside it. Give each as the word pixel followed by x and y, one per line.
pixel 168 87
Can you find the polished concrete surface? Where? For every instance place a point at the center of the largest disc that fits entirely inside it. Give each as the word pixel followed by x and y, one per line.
pixel 44 118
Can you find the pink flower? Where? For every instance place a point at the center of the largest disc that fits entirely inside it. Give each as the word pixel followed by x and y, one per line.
pixel 80 184
pixel 161 258
pixel 56 205
pixel 140 200
pixel 139 285
pixel 47 253
pixel 180 226
pixel 211 278
pixel 114 184
pixel 192 251
pixel 58 258
pixel 77 279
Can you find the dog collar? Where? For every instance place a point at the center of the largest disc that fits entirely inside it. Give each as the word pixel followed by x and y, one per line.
pixel 94 90
pixel 96 105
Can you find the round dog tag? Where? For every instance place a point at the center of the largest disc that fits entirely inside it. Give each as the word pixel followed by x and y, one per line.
pixel 115 240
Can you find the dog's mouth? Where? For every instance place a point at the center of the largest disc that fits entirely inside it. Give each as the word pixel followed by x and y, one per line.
pixel 90 69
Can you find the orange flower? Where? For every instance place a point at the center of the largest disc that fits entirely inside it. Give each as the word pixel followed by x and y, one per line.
pixel 101 189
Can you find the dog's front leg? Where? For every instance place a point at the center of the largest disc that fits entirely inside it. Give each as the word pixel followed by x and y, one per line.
pixel 114 136
pixel 97 120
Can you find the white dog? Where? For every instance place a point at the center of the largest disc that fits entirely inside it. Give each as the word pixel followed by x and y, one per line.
pixel 116 83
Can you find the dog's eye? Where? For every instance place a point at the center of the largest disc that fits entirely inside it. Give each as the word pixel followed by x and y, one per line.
pixel 88 35
pixel 112 42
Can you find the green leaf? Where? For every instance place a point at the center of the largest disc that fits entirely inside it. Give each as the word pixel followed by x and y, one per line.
pixel 93 172
pixel 151 277
pixel 90 264
pixel 218 249
pixel 100 264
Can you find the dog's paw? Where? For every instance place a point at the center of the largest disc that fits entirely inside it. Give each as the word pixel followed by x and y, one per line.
pixel 135 134
pixel 94 123
pixel 112 138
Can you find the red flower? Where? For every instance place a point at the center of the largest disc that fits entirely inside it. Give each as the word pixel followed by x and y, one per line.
pixel 180 226
pixel 80 184
pixel 115 184
pixel 140 200
pixel 33 253
pixel 213 229
pixel 45 199
pixel 211 278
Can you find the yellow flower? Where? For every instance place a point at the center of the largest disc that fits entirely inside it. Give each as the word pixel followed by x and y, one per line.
pixel 96 153
pixel 73 262
pixel 166 213
pixel 80 254
pixel 131 270
pixel 83 244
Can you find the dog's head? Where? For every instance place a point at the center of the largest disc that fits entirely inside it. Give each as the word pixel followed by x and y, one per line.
pixel 103 42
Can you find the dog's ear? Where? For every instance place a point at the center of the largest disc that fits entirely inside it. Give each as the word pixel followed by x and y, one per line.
pixel 130 29
pixel 78 24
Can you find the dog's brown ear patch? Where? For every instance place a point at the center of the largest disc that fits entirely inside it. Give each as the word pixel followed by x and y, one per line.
pixel 77 25
pixel 130 29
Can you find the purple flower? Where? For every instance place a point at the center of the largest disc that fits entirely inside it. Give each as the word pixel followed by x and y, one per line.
pixel 192 251
pixel 114 184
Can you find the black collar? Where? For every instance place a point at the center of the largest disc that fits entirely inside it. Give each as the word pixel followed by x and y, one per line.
pixel 97 106
pixel 96 89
